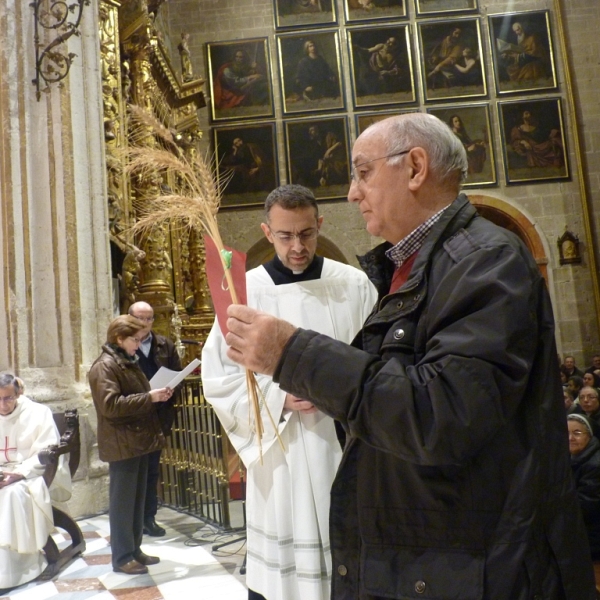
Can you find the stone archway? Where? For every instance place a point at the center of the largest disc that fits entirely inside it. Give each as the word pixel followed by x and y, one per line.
pixel 263 251
pixel 504 215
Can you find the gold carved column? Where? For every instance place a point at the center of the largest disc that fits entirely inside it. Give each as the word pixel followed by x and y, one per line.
pixel 167 266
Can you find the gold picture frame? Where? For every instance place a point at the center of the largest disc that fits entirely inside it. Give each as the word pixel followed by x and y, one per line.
pixel 472 126
pixel 452 59
pixel 533 140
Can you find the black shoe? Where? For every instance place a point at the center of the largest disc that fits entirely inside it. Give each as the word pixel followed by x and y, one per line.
pixel 152 528
pixel 133 567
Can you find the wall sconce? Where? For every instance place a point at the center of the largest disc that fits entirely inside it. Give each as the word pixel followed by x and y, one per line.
pixel 60 21
pixel 568 248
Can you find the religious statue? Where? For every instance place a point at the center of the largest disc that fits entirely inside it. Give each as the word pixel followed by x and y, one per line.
pixel 184 54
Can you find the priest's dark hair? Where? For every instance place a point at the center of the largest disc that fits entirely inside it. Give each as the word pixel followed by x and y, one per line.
pixel 291 197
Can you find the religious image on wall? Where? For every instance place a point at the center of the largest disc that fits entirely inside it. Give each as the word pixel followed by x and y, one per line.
pixel 432 7
pixel 523 59
pixel 371 10
pixel 533 140
pixel 240 79
pixel 452 59
pixel 318 156
pixel 246 157
pixel 311 77
pixel 304 13
pixel 471 125
pixel 381 66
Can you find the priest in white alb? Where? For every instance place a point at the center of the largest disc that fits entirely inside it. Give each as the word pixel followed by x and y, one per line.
pixel 287 497
pixel 26 427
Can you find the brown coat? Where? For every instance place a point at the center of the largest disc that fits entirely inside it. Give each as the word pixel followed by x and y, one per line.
pixel 128 425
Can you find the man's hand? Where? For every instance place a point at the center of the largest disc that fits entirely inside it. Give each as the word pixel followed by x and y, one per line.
pixel 8 478
pixel 256 340
pixel 299 404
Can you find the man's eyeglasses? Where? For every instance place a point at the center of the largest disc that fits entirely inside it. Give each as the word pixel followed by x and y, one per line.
pixel 145 319
pixel 357 177
pixel 7 398
pixel 289 238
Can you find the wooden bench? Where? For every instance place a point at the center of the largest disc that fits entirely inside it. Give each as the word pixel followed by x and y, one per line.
pixel 68 427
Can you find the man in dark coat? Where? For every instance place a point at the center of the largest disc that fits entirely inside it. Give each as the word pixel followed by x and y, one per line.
pixel 155 351
pixel 455 481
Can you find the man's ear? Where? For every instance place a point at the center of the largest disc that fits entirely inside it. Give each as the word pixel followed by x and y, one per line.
pixel 267 231
pixel 319 221
pixel 418 163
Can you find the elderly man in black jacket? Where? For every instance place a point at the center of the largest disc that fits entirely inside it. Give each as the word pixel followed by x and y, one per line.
pixel 155 351
pixel 455 481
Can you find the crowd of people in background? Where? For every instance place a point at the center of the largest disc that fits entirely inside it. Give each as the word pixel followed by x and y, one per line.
pixel 582 402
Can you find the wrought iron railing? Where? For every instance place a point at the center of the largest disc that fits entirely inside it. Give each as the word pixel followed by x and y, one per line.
pixel 194 475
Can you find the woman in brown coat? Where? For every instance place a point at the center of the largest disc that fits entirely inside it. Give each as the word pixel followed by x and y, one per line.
pixel 128 430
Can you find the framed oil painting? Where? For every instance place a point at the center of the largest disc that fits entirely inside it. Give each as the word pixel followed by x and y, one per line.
pixel 533 140
pixel 364 120
pixel 246 157
pixel 318 155
pixel 311 76
pixel 471 125
pixel 304 13
pixel 381 66
pixel 441 7
pixel 452 59
pixel 522 52
pixel 240 79
pixel 373 10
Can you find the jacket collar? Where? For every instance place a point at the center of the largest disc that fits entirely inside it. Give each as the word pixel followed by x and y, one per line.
pixel 119 357
pixel 380 269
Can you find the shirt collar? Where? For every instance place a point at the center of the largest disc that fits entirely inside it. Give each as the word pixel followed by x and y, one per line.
pixel 412 243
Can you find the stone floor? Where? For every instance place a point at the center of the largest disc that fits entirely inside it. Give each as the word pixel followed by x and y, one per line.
pixel 189 568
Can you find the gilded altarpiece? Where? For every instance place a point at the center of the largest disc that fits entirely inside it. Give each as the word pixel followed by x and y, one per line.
pixel 166 267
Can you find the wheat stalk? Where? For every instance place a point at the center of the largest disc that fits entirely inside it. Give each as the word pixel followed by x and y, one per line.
pixel 195 207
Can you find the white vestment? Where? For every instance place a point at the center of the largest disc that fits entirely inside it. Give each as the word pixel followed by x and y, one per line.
pixel 25 506
pixel 287 497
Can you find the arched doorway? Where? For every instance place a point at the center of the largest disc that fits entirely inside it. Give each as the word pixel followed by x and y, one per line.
pixel 504 215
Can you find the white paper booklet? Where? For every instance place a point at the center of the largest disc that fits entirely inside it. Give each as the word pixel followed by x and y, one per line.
pixel 168 378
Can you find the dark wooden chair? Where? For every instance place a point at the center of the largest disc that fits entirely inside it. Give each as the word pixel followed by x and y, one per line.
pixel 68 427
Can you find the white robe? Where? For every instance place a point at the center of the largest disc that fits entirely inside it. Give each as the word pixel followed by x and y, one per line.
pixel 287 498
pixel 25 506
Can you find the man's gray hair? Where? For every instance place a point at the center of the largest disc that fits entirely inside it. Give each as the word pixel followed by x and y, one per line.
pixel 291 197
pixel 8 379
pixel 447 155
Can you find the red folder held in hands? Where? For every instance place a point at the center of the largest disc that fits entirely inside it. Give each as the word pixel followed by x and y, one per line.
pixel 217 283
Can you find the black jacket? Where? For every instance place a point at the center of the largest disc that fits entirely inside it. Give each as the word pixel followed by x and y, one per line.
pixel 586 469
pixel 455 481
pixel 162 354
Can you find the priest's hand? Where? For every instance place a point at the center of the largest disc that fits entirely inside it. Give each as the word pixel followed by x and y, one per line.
pixel 304 406
pixel 256 340
pixel 8 478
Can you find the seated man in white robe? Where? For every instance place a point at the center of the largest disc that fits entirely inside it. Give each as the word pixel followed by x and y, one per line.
pixel 25 501
pixel 287 497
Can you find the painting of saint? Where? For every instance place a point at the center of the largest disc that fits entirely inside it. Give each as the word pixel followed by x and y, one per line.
pixel 294 13
pixel 246 161
pixel 318 156
pixel 311 72
pixel 451 55
pixel 522 52
pixel 240 81
pixel 381 66
pixel 371 10
pixel 471 125
pixel 534 140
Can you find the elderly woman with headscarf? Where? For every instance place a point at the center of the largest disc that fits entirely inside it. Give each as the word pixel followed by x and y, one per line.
pixel 128 431
pixel 585 463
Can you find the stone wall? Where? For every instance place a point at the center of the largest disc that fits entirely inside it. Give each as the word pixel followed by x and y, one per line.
pixel 550 207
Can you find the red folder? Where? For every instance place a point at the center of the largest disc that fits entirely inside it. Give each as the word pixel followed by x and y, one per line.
pixel 217 283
